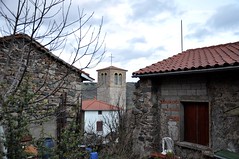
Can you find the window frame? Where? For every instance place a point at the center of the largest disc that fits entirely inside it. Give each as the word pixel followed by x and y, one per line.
pixel 105 79
pixel 102 78
pixel 99 126
pixel 116 79
pixel 99 112
pixel 182 122
pixel 120 78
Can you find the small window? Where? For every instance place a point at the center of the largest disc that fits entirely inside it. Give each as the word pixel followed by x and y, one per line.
pixel 102 78
pixel 99 126
pixel 100 112
pixel 116 79
pixel 120 79
pixel 105 79
pixel 196 122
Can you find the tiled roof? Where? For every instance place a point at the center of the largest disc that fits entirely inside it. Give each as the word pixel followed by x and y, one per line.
pixel 94 104
pixel 218 56
pixel 26 37
pixel 112 68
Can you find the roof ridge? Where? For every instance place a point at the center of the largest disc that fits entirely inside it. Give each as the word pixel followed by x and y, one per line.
pixel 212 46
pixel 40 46
pixel 91 102
pixel 94 104
pixel 111 67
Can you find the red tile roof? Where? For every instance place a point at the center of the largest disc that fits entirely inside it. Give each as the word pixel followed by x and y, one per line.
pixel 196 59
pixel 94 104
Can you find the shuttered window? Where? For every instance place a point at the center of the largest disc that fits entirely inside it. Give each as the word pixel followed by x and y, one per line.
pixel 99 126
pixel 196 122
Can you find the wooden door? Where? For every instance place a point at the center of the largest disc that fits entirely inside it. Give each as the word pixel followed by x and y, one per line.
pixel 196 122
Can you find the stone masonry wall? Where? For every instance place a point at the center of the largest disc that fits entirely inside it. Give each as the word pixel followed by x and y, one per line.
pixel 161 100
pixel 45 75
pixel 110 92
pixel 146 118
pixel 225 124
pixel 174 90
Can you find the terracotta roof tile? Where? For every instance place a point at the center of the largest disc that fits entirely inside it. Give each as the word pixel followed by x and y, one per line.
pixel 94 104
pixel 194 59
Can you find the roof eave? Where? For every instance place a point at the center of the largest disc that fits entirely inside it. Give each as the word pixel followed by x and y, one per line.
pixel 86 77
pixel 83 75
pixel 228 68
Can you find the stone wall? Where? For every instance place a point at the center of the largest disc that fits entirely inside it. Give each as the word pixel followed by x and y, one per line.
pixel 225 124
pixel 146 115
pixel 110 91
pixel 46 76
pixel 174 90
pixel 159 112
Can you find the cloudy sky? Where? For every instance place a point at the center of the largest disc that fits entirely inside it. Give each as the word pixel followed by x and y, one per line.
pixel 142 32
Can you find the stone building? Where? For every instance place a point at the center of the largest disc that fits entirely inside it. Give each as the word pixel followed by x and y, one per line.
pixel 192 97
pixel 102 101
pixel 111 86
pixel 89 91
pixel 49 79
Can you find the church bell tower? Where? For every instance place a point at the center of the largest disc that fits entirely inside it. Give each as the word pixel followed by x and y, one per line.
pixel 111 86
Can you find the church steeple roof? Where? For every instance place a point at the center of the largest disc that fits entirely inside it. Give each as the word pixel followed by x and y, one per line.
pixel 112 68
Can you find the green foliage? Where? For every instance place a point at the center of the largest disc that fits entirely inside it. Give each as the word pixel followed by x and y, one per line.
pixel 15 118
pixel 19 110
pixel 170 155
pixel 69 142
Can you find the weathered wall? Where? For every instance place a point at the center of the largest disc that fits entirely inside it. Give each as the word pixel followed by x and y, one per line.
pixel 45 75
pixel 160 99
pixel 108 117
pixel 110 92
pixel 225 97
pixel 146 115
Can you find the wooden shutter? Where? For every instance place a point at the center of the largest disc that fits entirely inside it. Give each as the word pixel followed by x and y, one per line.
pixel 99 126
pixel 196 122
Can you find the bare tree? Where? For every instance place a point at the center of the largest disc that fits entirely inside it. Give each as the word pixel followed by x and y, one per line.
pixel 46 26
pixel 48 22
pixel 119 138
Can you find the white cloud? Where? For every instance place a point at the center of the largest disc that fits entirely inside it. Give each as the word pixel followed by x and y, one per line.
pixel 142 32
pixel 156 24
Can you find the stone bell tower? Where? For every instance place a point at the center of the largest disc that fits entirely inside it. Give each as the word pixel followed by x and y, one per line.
pixel 111 86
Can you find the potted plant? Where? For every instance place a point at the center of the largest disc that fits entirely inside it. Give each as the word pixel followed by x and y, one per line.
pixel 169 155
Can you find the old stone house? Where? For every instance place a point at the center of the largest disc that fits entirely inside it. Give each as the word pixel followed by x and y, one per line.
pixel 52 81
pixel 192 97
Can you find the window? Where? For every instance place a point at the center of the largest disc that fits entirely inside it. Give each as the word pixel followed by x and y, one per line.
pixel 120 79
pixel 116 79
pixel 196 122
pixel 100 112
pixel 105 78
pixel 102 78
pixel 99 126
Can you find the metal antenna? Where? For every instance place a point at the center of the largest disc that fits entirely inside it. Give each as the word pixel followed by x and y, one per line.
pixel 181 36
